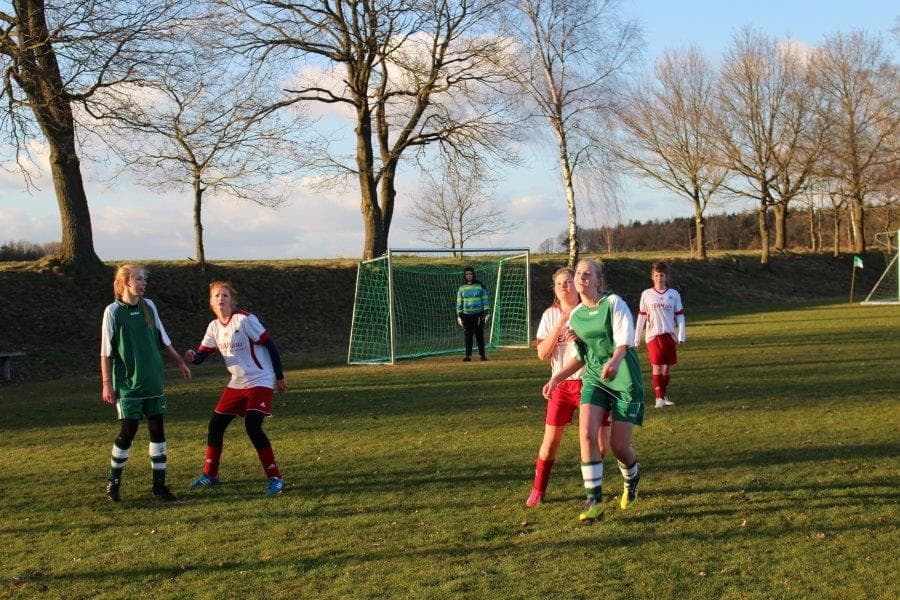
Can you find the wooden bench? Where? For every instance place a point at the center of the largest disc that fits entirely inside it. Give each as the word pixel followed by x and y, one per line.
pixel 6 364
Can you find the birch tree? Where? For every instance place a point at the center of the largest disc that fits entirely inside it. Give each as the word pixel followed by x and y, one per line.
pixel 571 56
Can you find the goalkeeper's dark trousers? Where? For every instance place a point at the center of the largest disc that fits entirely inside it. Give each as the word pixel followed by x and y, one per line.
pixel 474 324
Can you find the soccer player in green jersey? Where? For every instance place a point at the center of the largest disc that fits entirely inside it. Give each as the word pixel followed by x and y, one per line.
pixel 611 383
pixel 132 339
pixel 472 311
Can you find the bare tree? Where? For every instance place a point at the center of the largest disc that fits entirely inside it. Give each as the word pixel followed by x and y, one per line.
pixel 207 129
pixel 667 133
pixel 571 55
pixel 457 207
pixel 58 55
pixel 759 129
pixel 413 73
pixel 860 81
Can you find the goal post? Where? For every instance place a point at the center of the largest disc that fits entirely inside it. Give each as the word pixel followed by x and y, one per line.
pixel 405 302
pixel 887 289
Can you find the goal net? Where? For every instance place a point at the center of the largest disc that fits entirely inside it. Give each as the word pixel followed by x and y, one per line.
pixel 405 304
pixel 887 288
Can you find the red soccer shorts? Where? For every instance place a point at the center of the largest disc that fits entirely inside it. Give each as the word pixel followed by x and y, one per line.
pixel 563 402
pixel 237 402
pixel 661 350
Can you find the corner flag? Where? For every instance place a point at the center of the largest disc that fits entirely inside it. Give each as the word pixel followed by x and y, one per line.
pixel 857 262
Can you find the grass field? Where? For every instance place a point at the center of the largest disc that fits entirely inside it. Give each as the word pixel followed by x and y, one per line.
pixel 775 476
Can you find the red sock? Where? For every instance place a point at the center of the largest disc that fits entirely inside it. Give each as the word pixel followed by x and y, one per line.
pixel 663 385
pixel 542 470
pixel 211 464
pixel 267 459
pixel 659 386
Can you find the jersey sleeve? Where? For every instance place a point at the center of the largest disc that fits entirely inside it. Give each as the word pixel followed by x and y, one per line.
pixel 545 328
pixel 623 326
pixel 107 330
pixel 255 330
pixel 163 336
pixel 208 343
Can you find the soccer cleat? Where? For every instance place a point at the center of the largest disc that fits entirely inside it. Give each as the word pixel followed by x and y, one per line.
pixel 276 484
pixel 660 403
pixel 667 402
pixel 535 498
pixel 593 510
pixel 629 492
pixel 112 491
pixel 484 358
pixel 164 493
pixel 467 359
pixel 203 481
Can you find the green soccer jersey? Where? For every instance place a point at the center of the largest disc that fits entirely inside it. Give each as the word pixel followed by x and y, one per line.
pixel 134 345
pixel 600 330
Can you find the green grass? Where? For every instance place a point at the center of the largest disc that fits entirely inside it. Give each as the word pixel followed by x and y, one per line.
pixel 775 476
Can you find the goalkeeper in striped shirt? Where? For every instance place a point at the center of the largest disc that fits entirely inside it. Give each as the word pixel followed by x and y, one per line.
pixel 473 310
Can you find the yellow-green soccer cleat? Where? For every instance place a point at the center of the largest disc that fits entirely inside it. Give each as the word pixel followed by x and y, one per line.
pixel 593 510
pixel 629 493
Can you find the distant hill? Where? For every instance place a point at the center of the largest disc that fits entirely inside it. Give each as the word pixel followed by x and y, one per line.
pixel 307 305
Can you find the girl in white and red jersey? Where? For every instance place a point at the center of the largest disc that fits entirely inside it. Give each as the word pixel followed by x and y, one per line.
pixel 660 313
pixel 255 366
pixel 556 341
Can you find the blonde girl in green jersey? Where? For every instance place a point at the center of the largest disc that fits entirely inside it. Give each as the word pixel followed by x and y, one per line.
pixel 611 384
pixel 131 369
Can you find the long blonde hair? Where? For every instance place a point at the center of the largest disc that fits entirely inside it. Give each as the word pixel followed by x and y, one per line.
pixel 123 274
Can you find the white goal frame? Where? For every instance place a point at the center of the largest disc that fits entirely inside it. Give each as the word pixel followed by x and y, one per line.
pixel 460 253
pixel 893 268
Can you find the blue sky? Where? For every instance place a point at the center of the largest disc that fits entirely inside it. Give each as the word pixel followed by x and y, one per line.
pixel 132 222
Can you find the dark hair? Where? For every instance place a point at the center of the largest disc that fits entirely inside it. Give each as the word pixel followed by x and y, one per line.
pixel 659 267
pixel 470 269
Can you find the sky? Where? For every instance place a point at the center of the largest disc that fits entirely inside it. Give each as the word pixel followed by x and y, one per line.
pixel 134 222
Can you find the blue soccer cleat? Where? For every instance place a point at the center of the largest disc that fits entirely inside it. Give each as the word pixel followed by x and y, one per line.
pixel 204 481
pixel 276 484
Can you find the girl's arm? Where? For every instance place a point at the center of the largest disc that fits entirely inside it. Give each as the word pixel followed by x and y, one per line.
pixel 639 329
pixel 679 319
pixel 545 346
pixel 280 383
pixel 108 395
pixel 612 365
pixel 572 365
pixel 182 366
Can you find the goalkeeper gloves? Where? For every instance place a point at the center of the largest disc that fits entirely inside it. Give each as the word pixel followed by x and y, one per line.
pixel 459 320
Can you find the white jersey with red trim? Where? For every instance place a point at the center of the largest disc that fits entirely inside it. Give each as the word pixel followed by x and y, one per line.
pixel 661 312
pixel 240 342
pixel 563 350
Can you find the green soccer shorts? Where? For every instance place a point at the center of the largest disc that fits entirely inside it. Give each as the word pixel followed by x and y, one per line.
pixel 621 404
pixel 136 408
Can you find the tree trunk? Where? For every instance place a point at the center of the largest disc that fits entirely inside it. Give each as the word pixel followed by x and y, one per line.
pixel 859 236
pixel 198 224
pixel 837 234
pixel 375 242
pixel 42 82
pixel 780 242
pixel 811 219
pixel 76 247
pixel 700 234
pixel 566 170
pixel 762 215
